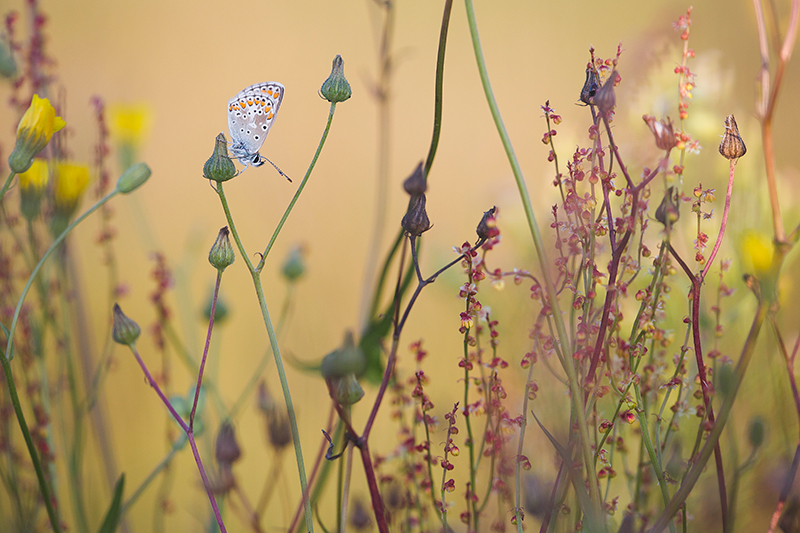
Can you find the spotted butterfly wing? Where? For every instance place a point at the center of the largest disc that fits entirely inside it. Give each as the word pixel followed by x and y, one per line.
pixel 251 114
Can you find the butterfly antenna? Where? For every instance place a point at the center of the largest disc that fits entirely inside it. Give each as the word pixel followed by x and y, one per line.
pixel 281 172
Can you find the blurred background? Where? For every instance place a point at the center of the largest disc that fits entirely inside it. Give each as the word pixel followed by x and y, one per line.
pixel 175 64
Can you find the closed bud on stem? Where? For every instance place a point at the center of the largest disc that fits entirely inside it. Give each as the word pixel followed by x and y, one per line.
pixel 416 221
pixel 336 88
pixel 668 210
pixel 125 331
pixel 227 450
pixel 8 67
pixel 347 390
pixel 221 255
pixel 589 86
pixel 662 131
pixel 349 359
pixel 732 145
pixel 219 166
pixel 416 183
pixel 605 99
pixel 34 131
pixel 133 178
pixel 487 227
pixel 294 267
pixel 755 433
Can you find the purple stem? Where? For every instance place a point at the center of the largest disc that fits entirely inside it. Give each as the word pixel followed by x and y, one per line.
pixel 205 349
pixel 186 429
pixel 723 224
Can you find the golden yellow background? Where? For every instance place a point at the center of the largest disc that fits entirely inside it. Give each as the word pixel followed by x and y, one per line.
pixel 184 60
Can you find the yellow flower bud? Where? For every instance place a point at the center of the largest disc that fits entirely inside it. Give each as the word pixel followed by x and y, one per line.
pixel 35 130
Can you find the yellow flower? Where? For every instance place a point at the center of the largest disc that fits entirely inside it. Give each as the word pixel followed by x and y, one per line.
pixel 70 183
pixel 35 130
pixel 130 123
pixel 757 252
pixel 35 179
pixel 32 183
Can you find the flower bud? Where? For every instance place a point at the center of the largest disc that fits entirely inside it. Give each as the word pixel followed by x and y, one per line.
pixel 416 221
pixel 662 131
pixel 755 432
pixel 227 450
pixel 347 390
pixel 221 255
pixel 219 166
pixel 487 227
pixel 32 184
pixel 416 183
pixel 279 430
pixel 336 88
pixel 589 86
pixel 605 99
pixel 349 359
pixel 294 267
pixel 732 145
pixel 125 330
pixel 8 67
pixel 133 178
pixel 668 210
pixel 35 130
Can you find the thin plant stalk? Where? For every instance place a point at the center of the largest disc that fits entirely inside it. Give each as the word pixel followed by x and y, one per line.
pixel 255 273
pixel 5 360
pixel 552 296
pixel 189 433
pixel 205 349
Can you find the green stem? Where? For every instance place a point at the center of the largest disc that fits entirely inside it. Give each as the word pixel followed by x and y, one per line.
pixel 273 339
pixel 552 297
pixel 296 195
pixel 5 360
pixel 7 184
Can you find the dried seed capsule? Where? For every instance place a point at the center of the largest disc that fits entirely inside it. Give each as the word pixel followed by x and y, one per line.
pixel 416 220
pixel 416 184
pixel 487 227
pixel 667 212
pixel 732 145
pixel 589 87
pixel 662 131
pixel 606 99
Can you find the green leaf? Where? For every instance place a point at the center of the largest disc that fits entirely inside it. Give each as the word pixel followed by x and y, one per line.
pixel 113 515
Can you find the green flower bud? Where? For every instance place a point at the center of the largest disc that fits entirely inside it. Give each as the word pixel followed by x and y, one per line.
pixel 336 88
pixel 347 390
pixel 349 359
pixel 221 255
pixel 294 267
pixel 133 178
pixel 219 166
pixel 125 330
pixel 725 379
pixel 755 433
pixel 8 67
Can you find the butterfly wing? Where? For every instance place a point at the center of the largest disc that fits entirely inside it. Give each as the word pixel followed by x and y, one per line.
pixel 251 114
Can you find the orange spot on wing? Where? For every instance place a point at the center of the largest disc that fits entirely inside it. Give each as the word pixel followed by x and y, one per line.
pixel 269 116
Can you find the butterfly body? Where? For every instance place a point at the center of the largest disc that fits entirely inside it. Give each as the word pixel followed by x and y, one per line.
pixel 251 114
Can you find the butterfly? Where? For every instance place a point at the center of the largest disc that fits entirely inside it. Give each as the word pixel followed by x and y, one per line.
pixel 251 114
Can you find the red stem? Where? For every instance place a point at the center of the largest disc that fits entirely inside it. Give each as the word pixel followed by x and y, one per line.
pixel 205 349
